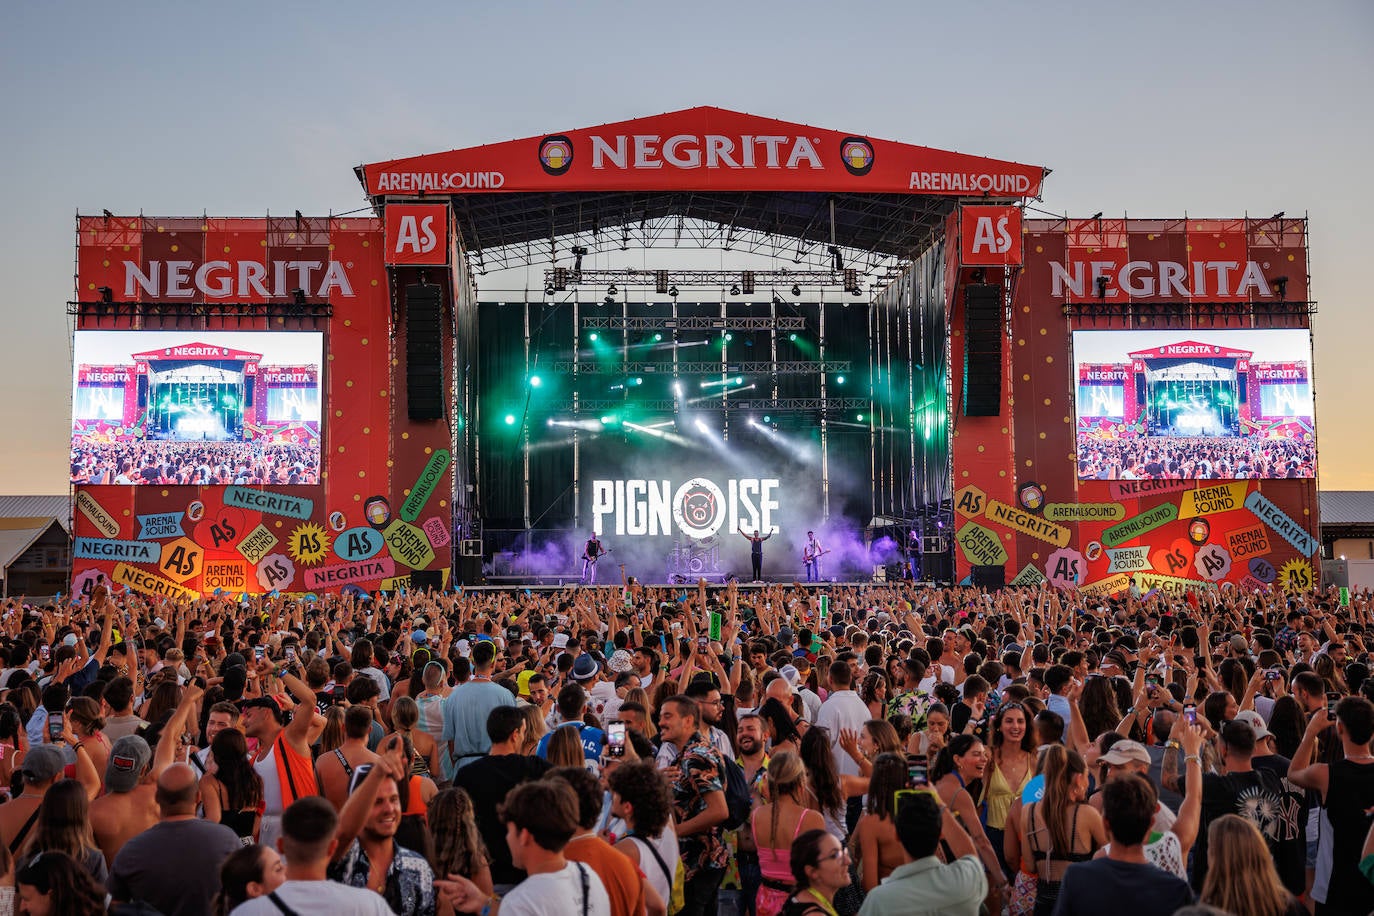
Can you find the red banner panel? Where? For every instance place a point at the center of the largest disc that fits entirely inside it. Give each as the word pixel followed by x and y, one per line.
pixel 417 234
pixel 1212 423
pixel 990 236
pixel 708 149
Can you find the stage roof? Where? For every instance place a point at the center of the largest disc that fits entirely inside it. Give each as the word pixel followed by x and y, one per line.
pixel 702 177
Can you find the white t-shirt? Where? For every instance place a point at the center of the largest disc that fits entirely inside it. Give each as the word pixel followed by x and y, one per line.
pixel 326 898
pixel 557 893
pixel 843 711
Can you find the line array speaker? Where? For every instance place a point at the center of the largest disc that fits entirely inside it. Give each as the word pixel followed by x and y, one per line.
pixel 424 352
pixel 982 350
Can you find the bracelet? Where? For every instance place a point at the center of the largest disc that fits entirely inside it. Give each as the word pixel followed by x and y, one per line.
pixel 1191 758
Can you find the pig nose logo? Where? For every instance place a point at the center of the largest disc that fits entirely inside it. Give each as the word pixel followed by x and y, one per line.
pixel 698 508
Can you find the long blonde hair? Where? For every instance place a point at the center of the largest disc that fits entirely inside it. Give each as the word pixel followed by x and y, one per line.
pixel 641 696
pixel 785 778
pixel 535 728
pixel 1240 872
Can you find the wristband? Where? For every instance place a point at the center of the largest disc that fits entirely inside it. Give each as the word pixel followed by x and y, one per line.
pixel 1191 758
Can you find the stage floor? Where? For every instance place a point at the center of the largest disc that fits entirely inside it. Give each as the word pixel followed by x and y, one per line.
pixel 558 583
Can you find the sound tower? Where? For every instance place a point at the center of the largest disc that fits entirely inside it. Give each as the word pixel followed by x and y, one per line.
pixel 424 359
pixel 982 350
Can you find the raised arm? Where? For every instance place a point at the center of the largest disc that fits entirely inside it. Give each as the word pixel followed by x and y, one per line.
pixel 165 754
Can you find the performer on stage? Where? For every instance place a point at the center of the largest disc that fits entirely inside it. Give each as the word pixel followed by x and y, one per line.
pixel 591 552
pixel 811 557
pixel 756 552
pixel 913 556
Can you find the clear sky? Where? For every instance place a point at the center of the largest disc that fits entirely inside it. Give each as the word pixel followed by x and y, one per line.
pixel 1213 109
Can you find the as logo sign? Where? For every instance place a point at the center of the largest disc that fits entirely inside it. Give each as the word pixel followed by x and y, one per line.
pixel 417 234
pixel 990 236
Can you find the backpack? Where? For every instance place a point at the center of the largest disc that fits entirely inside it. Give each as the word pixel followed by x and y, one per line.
pixel 738 798
pixel 676 878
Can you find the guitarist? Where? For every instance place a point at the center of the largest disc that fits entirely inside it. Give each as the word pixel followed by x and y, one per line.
pixel 811 557
pixel 591 552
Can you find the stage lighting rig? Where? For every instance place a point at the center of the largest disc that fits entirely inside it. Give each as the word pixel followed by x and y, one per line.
pixel 1281 284
pixel 611 290
pixel 1101 283
pixel 672 291
pixel 734 289
pixel 796 290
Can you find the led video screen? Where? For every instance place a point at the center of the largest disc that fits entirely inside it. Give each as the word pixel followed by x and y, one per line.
pixel 1203 404
pixel 196 407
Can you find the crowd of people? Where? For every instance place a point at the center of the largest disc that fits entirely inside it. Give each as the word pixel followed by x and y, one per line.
pixel 136 461
pixel 891 750
pixel 1196 458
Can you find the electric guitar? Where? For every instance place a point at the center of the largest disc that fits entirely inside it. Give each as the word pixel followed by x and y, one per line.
pixel 811 556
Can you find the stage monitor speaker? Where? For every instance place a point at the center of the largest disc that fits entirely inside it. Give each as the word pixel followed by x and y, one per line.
pixel 936 567
pixel 468 571
pixel 989 576
pixel 983 319
pixel 421 579
pixel 424 363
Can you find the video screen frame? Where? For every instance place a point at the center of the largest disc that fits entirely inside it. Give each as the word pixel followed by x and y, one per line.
pixel 1194 404
pixel 201 408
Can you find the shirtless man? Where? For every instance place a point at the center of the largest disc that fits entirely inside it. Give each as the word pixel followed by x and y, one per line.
pixel 130 807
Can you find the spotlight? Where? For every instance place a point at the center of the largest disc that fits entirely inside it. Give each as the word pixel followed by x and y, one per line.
pixel 608 301
pixel 298 295
pixel 677 389
pixel 592 336
pixel 859 417
pixel 1097 215
pixel 739 380
pixel 109 215
pixel 792 337
pixel 701 427
pixel 734 289
pixel 611 290
pixel 672 291
pixel 657 338
pixel 1276 216
pixel 839 380
pixel 637 380
pixel 510 419
pixel 796 290
pixel 1280 285
pixel 535 381
pixel 549 289
pixel 768 419
pixel 729 336
pixel 107 294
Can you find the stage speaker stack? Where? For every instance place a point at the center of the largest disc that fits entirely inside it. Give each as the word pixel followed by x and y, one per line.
pixel 424 352
pixel 982 350
pixel 989 576
pixel 421 579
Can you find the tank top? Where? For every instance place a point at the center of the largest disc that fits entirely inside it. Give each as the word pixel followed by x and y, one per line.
pixel 655 873
pixel 1000 794
pixel 1349 791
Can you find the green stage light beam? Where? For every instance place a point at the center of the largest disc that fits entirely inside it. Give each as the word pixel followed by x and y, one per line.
pixel 535 381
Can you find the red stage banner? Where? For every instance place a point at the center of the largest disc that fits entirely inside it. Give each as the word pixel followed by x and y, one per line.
pixel 417 234
pixel 708 149
pixel 990 236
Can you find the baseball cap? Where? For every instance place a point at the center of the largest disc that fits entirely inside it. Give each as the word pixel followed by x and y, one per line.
pixel 790 674
pixel 69 639
pixel 129 760
pixel 522 681
pixel 42 762
pixel 272 703
pixel 419 636
pixel 1255 721
pixel 1126 752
